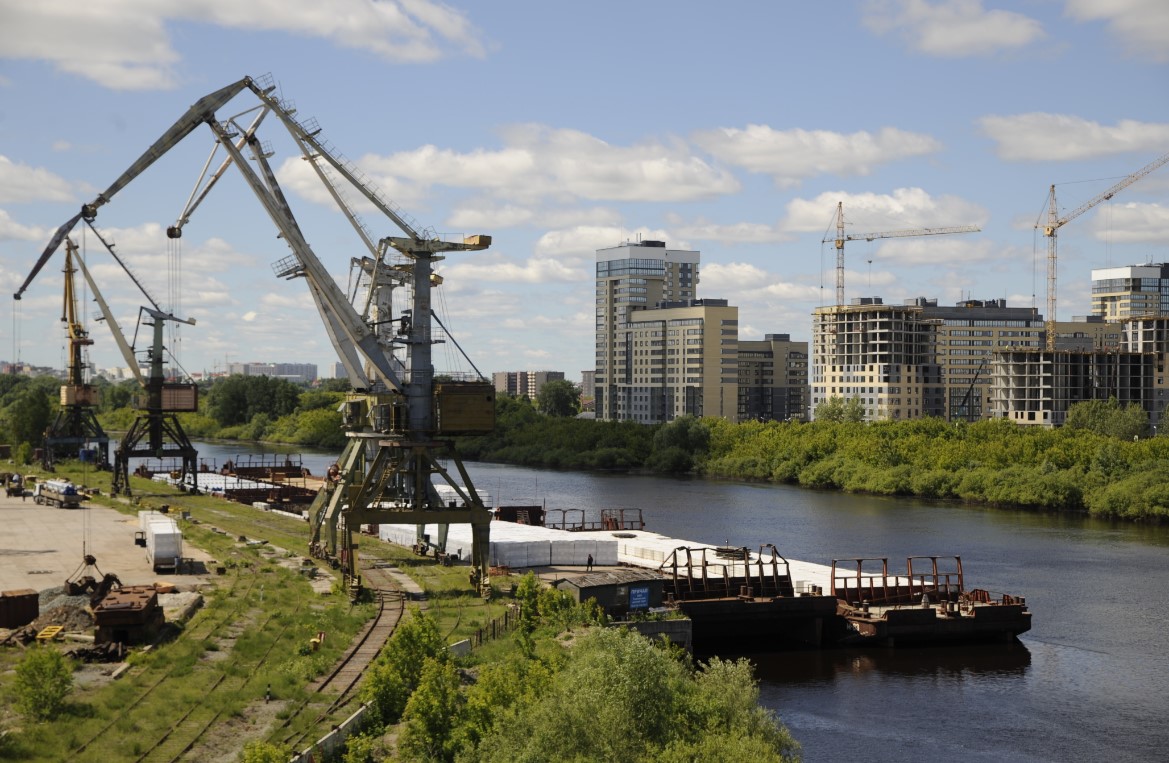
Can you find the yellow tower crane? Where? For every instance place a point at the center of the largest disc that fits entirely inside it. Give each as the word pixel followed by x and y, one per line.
pixel 1055 222
pixel 841 237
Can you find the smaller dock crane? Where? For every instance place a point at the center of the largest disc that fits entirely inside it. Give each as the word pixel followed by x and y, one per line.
pixel 75 429
pixel 841 237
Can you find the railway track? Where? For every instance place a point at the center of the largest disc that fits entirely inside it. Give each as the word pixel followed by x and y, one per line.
pixel 342 681
pixel 200 629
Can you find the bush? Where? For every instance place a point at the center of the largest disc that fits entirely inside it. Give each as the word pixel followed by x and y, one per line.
pixel 44 679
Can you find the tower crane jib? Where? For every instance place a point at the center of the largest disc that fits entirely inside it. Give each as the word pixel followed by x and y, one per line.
pixel 841 237
pixel 1055 222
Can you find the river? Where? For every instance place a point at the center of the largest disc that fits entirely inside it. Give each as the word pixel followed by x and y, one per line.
pixel 1089 682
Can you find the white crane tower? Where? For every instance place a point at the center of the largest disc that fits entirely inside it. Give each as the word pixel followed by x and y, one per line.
pixel 1055 222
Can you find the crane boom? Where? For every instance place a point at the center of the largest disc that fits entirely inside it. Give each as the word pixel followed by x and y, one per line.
pixel 841 237
pixel 1055 222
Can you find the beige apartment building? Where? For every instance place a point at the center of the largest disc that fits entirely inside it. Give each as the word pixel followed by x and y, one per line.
pixel 661 352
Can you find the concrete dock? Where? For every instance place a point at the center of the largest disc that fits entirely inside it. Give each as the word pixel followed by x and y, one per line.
pixel 41 547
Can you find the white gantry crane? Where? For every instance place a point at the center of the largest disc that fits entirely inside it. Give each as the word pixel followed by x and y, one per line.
pixel 841 237
pixel 1055 222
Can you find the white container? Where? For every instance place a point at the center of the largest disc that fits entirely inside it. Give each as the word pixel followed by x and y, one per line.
pixel 164 545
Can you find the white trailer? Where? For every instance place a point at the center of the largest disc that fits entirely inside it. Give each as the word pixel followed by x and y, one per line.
pixel 164 545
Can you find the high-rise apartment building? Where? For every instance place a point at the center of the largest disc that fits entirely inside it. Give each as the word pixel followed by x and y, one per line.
pixel 633 277
pixel 773 379
pixel 1130 291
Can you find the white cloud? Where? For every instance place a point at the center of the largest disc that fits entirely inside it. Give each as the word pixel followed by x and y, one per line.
pixel 1133 224
pixel 501 269
pixel 790 156
pixel 22 183
pixel 125 44
pixel 583 241
pixel 952 28
pixel 1038 136
pixel 1142 25
pixel 540 163
pixel 936 251
pixel 10 230
pixel 483 214
pixel 904 209
pixel 700 229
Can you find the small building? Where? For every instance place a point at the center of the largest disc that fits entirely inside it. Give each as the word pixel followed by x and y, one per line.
pixel 618 591
pixel 19 608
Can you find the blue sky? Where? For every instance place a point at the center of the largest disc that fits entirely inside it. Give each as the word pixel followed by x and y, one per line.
pixel 560 128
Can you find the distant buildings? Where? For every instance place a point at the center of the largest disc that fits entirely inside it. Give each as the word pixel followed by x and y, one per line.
pixel 298 373
pixel 524 383
pixel 1131 291
pixel 661 352
pixel 773 379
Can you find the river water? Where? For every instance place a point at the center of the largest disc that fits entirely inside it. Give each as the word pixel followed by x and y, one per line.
pixel 1089 682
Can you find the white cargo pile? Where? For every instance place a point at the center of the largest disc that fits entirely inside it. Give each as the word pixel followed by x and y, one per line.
pixel 164 542
pixel 448 495
pixel 647 549
pixel 517 546
pixel 214 484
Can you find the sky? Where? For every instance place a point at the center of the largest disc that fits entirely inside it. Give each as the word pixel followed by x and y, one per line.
pixel 562 128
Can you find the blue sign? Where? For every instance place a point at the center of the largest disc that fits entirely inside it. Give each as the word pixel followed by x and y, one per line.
pixel 639 598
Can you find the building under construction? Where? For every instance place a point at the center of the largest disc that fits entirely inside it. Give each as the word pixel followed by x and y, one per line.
pixel 1039 386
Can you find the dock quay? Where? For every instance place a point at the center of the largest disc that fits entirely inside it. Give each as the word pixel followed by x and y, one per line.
pixel 761 600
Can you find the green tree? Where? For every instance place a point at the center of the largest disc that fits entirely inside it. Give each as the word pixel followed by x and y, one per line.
pixel 28 414
pixel 1109 418
pixel 620 698
pixel 558 398
pixel 363 748
pixel 44 679
pixel 679 445
pixel 265 752
pixel 430 714
pixel 838 409
pixel 397 670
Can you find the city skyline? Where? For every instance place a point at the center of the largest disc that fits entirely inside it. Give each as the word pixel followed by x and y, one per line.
pixel 559 133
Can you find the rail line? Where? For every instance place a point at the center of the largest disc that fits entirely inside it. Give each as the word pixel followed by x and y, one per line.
pixel 344 677
pixel 201 727
pixel 214 623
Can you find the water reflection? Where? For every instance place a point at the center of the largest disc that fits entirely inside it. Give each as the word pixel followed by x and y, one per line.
pixel 953 663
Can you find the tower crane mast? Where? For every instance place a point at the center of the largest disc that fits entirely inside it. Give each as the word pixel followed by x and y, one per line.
pixel 1055 222
pixel 841 237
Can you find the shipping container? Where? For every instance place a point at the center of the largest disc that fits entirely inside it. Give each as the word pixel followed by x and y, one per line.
pixel 164 544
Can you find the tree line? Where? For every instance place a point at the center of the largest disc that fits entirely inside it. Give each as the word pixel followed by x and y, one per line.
pixel 1102 460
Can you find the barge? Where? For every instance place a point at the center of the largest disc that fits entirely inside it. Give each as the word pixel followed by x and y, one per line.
pixel 927 604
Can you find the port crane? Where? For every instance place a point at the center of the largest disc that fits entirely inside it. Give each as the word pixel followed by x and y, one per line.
pixel 841 237
pixel 399 418
pixel 75 427
pixel 156 431
pixel 1055 222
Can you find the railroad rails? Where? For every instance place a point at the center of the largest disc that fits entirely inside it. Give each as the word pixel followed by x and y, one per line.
pixel 345 676
pixel 200 629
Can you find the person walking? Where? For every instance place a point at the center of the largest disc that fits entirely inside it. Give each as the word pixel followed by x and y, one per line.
pixel 589 566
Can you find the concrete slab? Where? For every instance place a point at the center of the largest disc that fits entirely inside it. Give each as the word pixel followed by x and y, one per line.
pixel 41 547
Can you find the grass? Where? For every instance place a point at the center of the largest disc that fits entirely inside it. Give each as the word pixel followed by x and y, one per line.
pixel 254 626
